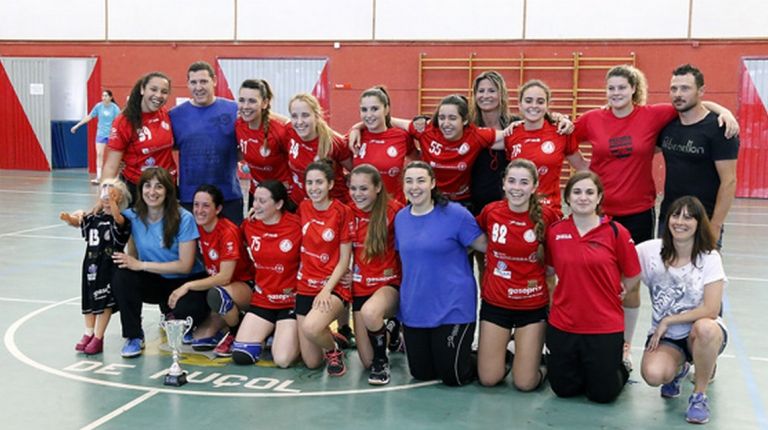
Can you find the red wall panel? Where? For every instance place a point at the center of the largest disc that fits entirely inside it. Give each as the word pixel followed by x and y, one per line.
pixel 356 66
pixel 25 152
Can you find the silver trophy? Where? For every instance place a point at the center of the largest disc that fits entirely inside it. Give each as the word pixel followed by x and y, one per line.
pixel 174 332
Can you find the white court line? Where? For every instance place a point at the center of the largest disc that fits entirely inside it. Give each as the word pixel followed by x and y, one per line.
pixel 748 213
pixel 744 224
pixel 47 193
pixel 29 230
pixel 41 236
pixel 737 278
pixel 13 349
pixel 119 411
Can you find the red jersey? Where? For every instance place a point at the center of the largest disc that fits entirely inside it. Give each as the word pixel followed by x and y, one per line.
pixel 301 154
pixel 369 276
pixel 452 160
pixel 547 150
pixel 513 279
pixel 265 163
pixel 587 299
pixel 224 243
pixel 386 151
pixel 275 252
pixel 622 154
pixel 150 146
pixel 323 232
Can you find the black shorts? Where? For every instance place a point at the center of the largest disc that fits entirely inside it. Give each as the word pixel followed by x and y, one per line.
pixel 358 302
pixel 273 315
pixel 682 344
pixel 640 225
pixel 304 303
pixel 509 318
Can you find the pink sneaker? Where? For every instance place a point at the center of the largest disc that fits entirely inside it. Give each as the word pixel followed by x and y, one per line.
pixel 84 341
pixel 95 346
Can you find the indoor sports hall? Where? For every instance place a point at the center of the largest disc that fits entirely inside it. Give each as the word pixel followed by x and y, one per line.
pixel 56 58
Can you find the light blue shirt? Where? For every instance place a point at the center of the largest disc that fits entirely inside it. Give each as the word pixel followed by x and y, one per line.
pixel 105 116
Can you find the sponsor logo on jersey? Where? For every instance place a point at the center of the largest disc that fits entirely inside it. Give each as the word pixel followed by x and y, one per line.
pixel 464 148
pixel 165 125
pixel 563 236
pixel 328 235
pixel 392 151
pixel 501 270
pixel 213 255
pixel 393 172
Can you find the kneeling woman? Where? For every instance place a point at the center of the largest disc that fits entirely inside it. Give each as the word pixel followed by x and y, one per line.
pixel 327 228
pixel 227 286
pixel 596 264
pixel 685 276
pixel 160 257
pixel 514 288
pixel 438 295
pixel 273 240
pixel 376 273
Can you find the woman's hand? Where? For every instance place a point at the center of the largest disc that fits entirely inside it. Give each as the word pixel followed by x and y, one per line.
pixel 125 261
pixel 354 139
pixel 731 124
pixel 322 301
pixel 661 329
pixel 177 294
pixel 511 128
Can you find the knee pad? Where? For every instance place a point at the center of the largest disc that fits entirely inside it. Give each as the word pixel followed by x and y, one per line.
pixel 246 352
pixel 219 300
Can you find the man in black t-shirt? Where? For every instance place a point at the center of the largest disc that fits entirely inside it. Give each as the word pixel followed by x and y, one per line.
pixel 700 160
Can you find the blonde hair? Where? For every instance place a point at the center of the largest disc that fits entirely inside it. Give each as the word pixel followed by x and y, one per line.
pixel 324 132
pixel 120 186
pixel 636 79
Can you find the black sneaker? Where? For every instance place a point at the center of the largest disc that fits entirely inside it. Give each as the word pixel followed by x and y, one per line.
pixel 379 373
pixel 334 363
pixel 393 332
pixel 349 336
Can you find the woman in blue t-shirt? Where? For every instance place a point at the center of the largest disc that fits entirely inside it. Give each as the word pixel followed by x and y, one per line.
pixel 438 294
pixel 106 111
pixel 160 257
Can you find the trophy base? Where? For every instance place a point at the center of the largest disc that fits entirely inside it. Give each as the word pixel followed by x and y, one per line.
pixel 175 380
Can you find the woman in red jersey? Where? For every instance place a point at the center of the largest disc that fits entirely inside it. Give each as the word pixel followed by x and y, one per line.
pixel 376 269
pixel 261 135
pixel 228 284
pixel 623 141
pixel 514 287
pixel 141 135
pixel 327 230
pixel 538 140
pixel 273 240
pixel 309 138
pixel 381 145
pixel 596 264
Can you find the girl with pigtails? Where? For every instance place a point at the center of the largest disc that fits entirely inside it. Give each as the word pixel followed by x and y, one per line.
pixel 514 287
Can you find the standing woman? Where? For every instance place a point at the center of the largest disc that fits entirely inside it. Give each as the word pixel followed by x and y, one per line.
pixel 438 294
pixel 596 263
pixel 228 285
pixel 514 289
pixel 326 249
pixel 260 135
pixel 141 136
pixel 273 240
pixel 540 142
pixel 160 258
pixel 685 278
pixel 381 145
pixel 310 139
pixel 376 270
pixel 106 111
pixel 623 143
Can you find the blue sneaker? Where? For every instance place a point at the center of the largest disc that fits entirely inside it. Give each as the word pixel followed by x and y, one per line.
pixel 671 389
pixel 188 338
pixel 698 409
pixel 132 347
pixel 207 343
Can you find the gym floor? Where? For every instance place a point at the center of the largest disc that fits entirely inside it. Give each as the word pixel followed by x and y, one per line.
pixel 48 385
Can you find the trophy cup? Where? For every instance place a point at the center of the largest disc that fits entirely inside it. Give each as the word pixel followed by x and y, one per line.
pixel 174 332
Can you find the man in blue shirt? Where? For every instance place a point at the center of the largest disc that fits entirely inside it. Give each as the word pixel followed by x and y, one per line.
pixel 204 135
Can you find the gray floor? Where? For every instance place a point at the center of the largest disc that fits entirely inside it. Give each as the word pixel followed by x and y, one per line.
pixel 47 385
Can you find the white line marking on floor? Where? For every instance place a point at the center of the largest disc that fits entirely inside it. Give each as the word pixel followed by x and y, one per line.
pixel 40 236
pixel 736 278
pixel 744 224
pixel 119 411
pixel 46 193
pixel 29 230
pixel 13 349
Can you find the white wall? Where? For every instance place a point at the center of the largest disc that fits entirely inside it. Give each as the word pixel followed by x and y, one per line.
pixel 403 20
pixel 52 20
